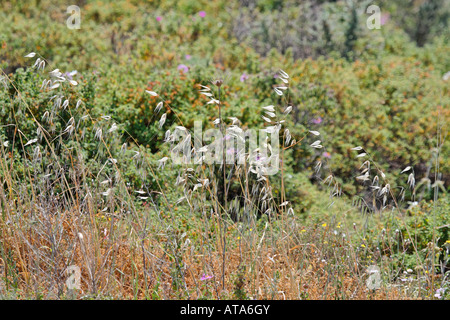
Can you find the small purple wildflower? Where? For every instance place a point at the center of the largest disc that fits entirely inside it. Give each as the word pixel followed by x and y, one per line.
pixel 205 277
pixel 230 151
pixel 326 155
pixel 317 121
pixel 260 158
pixel 244 77
pixel 183 68
pixel 202 14
pixel 158 18
pixel 384 18
pixel 188 57
pixel 439 293
pixel 69 75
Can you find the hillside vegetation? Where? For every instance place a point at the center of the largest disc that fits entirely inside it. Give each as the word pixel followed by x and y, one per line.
pixel 89 119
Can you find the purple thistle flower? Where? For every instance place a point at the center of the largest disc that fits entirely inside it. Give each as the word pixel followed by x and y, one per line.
pixel 384 18
pixel 317 121
pixel 244 77
pixel 326 155
pixel 183 68
pixel 158 18
pixel 202 14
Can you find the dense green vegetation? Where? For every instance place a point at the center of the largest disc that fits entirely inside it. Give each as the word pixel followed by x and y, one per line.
pixel 389 97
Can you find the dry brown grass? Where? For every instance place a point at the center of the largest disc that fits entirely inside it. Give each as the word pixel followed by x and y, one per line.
pixel 122 266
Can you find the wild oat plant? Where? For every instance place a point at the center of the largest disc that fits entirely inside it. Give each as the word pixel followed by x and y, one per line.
pixel 219 230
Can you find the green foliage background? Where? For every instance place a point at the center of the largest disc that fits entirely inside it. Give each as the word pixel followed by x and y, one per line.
pixel 388 97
